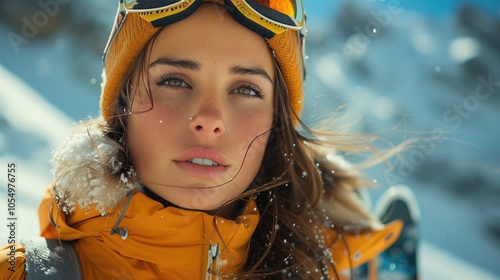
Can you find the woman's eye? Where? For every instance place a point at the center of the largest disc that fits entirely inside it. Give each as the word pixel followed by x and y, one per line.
pixel 249 91
pixel 172 82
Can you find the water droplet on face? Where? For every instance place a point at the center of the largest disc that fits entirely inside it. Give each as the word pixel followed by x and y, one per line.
pixel 161 121
pixel 304 174
pixel 374 30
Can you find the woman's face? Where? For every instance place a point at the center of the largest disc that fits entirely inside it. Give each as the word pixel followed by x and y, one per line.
pixel 212 85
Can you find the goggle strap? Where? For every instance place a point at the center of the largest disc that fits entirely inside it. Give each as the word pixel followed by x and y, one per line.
pixel 176 17
pixel 247 22
pixel 271 14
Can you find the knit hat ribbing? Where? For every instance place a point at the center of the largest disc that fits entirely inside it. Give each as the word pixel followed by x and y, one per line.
pixel 135 34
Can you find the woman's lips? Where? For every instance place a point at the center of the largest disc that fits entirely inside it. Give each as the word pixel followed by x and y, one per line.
pixel 201 171
pixel 202 162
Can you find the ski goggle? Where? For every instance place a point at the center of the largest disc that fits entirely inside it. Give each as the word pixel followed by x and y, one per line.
pixel 266 17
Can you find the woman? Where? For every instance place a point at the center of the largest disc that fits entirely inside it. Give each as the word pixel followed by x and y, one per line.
pixel 196 170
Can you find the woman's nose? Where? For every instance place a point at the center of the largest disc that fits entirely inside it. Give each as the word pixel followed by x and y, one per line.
pixel 208 123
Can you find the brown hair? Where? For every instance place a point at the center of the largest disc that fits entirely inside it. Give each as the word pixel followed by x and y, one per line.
pixel 295 190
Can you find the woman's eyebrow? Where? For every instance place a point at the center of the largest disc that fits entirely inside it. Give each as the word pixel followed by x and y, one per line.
pixel 250 71
pixel 179 63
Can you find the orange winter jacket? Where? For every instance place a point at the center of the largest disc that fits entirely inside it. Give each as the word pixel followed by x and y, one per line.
pixel 156 241
pixel 172 243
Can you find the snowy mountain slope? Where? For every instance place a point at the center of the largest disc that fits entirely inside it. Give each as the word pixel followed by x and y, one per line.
pixel 30 128
pixel 436 76
pixel 437 264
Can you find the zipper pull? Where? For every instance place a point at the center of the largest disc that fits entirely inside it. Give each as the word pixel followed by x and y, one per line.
pixel 214 250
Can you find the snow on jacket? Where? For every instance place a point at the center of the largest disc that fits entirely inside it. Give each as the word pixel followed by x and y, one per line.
pixel 119 232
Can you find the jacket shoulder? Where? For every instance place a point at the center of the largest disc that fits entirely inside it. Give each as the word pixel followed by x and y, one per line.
pixel 349 250
pixel 12 262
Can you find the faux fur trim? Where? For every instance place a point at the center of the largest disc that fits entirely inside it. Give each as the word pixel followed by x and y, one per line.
pixel 89 171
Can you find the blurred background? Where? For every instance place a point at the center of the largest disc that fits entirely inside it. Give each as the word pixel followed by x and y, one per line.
pixel 403 67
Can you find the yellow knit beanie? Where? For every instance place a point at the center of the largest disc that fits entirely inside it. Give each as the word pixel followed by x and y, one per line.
pixel 135 34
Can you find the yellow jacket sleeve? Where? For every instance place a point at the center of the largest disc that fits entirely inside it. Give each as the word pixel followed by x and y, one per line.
pixel 350 250
pixel 12 262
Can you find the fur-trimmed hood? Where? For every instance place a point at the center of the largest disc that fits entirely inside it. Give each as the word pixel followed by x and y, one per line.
pixel 89 170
